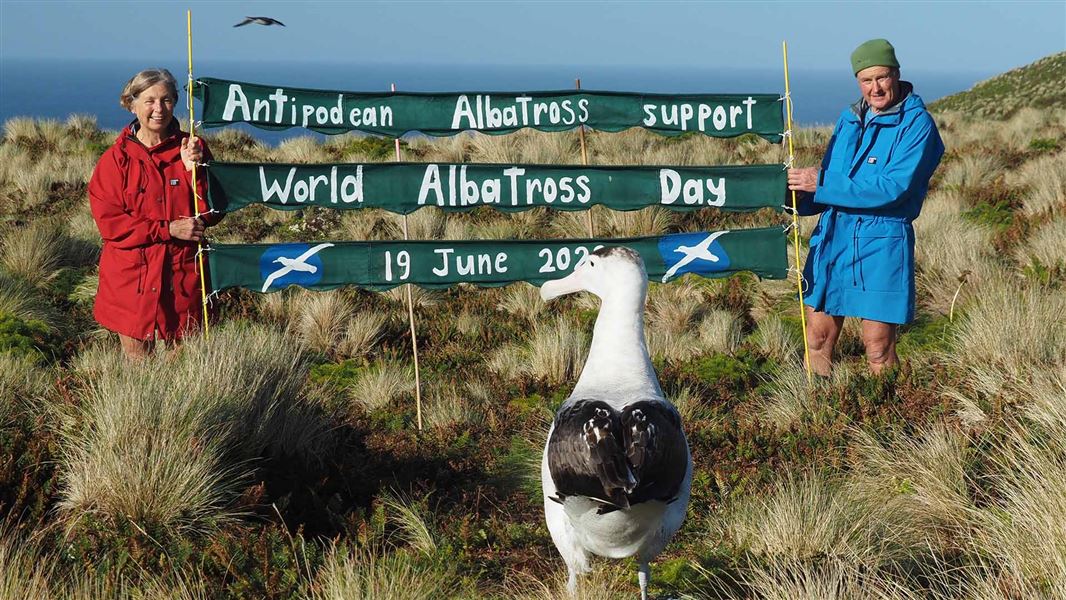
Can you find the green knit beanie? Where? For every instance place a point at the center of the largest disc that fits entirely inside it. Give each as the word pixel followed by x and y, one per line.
pixel 874 53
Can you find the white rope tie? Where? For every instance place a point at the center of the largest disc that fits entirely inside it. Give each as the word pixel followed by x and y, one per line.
pixel 787 96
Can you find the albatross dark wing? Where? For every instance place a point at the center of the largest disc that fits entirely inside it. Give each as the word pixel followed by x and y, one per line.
pixel 586 455
pixel 655 450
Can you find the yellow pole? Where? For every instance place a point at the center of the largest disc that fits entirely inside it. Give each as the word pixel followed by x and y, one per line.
pixel 795 224
pixel 585 161
pixel 411 316
pixel 195 190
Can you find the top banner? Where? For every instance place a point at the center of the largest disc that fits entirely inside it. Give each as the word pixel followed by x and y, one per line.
pixel 396 113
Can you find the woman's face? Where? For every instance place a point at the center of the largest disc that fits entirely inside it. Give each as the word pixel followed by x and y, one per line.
pixel 154 108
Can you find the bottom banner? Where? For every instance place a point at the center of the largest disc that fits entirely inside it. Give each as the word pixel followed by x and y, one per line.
pixel 380 265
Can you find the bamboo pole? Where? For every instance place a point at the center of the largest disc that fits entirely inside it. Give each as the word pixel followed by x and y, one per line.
pixel 795 224
pixel 585 162
pixel 195 189
pixel 411 313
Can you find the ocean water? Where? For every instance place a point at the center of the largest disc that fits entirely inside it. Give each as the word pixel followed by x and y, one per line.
pixel 57 89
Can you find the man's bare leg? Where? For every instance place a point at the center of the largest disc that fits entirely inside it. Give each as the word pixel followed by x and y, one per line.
pixel 880 341
pixel 822 333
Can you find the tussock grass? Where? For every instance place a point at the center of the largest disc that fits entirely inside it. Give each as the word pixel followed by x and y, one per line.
pixel 22 300
pixel 777 341
pixel 606 581
pixel 1045 246
pixel 496 148
pixel 21 378
pixel 720 331
pixel 973 171
pixel 376 573
pixel 555 352
pixel 370 224
pixel 1014 328
pixel 420 298
pixel 362 332
pixel 303 149
pixel 1045 183
pixel 673 316
pixel 924 478
pixel 448 404
pixel 37 253
pixel 1023 533
pixel 792 400
pixel 949 248
pixel 20 130
pixel 808 516
pixel 381 383
pixel 23 572
pixel 521 300
pixel 410 519
pixel 320 319
pixel 822 580
pixel 153 441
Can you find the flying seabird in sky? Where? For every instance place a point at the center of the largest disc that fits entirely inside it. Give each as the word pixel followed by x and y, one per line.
pixel 616 469
pixel 259 21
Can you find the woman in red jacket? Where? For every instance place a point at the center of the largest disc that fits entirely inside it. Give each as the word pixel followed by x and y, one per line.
pixel 141 199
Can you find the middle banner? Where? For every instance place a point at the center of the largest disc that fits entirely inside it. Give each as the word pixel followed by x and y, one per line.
pixel 406 187
pixel 442 263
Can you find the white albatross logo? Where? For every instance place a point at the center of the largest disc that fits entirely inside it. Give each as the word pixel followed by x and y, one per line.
pixel 700 251
pixel 288 265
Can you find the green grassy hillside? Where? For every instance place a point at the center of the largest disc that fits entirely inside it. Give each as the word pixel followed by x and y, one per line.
pixel 1038 85
pixel 279 459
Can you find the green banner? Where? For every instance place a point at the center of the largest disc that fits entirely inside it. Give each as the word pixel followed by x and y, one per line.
pixel 383 265
pixel 396 113
pixel 406 187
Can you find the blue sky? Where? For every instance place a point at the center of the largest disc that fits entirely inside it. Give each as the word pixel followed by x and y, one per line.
pixel 931 36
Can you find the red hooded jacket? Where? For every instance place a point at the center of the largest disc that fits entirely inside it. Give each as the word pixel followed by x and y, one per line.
pixel 149 282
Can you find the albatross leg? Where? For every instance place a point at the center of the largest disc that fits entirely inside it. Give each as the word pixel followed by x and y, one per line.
pixel 642 577
pixel 571 582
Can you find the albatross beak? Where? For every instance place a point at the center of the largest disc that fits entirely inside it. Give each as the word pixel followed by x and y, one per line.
pixel 573 282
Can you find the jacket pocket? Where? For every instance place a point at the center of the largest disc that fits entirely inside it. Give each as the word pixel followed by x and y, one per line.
pixel 879 256
pixel 127 268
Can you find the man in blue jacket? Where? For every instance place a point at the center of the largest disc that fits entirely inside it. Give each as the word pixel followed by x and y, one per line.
pixel 869 188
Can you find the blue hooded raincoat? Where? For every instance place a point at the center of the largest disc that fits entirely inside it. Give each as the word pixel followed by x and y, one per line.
pixel 871 185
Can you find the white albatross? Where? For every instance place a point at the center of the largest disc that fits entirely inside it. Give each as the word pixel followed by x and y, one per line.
pixel 288 265
pixel 616 470
pixel 701 251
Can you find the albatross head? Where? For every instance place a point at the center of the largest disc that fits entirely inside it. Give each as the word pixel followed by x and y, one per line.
pixel 607 272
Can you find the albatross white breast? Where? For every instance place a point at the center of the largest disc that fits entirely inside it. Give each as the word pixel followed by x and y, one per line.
pixel 616 470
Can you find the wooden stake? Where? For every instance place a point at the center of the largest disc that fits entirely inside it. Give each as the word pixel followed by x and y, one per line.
pixel 195 190
pixel 411 315
pixel 795 225
pixel 585 162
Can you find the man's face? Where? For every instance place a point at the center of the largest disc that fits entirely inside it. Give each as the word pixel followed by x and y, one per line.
pixel 879 86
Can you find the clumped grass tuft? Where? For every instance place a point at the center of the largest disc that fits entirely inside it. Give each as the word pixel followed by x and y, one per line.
pixel 1045 184
pixel 381 383
pixel 606 581
pixel 303 149
pixel 320 318
pixel 775 340
pixel 1046 247
pixel 376 573
pixel 808 516
pixel 1013 328
pixel 555 352
pixel 521 300
pixel 720 331
pixel 973 171
pixel 155 441
pixel 23 572
pixel 792 400
pixel 952 255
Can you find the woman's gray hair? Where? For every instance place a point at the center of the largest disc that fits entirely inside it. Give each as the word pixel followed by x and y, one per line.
pixel 144 80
